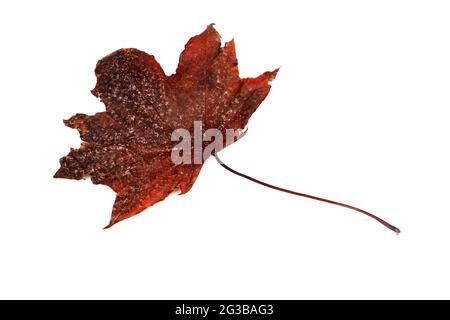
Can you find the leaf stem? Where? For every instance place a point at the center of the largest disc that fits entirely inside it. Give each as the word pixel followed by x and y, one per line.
pixel 384 223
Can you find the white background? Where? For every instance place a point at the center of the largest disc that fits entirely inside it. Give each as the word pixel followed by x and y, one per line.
pixel 359 113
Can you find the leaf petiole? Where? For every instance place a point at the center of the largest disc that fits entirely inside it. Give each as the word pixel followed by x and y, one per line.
pixel 384 223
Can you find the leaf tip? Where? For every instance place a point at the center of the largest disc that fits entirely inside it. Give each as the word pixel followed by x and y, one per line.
pixel 274 73
pixel 59 174
pixel 108 226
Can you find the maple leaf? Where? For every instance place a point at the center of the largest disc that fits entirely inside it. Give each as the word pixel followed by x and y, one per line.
pixel 128 147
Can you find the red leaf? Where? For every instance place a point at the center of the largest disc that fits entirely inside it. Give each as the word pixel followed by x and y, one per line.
pixel 128 147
